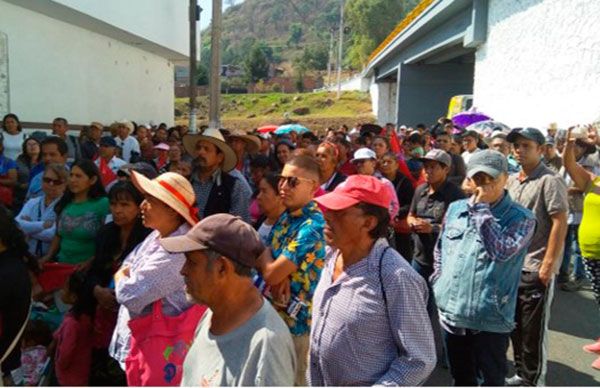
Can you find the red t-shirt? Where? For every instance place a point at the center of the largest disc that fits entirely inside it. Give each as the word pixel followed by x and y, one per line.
pixel 73 359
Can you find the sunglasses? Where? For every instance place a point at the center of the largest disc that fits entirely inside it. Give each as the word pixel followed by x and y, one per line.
pixel 53 182
pixel 292 181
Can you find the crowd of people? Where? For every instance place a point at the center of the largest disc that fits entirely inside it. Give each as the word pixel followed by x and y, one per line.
pixel 145 255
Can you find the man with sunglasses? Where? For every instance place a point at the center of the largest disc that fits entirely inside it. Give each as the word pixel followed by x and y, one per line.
pixel 294 261
pixel 478 261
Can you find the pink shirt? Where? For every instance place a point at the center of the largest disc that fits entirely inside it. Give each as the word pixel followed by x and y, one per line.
pixel 73 357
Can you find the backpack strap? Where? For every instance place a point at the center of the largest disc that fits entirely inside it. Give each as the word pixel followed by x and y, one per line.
pixel 17 337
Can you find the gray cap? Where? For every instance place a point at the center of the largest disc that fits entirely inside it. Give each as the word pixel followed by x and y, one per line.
pixel 490 162
pixel 528 133
pixel 438 155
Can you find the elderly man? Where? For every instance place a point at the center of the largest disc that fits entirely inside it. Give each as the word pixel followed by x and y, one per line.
pixel 240 341
pixel 60 127
pixel 370 324
pixel 217 190
pixel 543 192
pixel 89 149
pixel 129 145
pixel 478 261
pixel 295 259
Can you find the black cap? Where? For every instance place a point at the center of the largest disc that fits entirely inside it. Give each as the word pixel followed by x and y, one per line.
pixel 528 133
pixel 107 141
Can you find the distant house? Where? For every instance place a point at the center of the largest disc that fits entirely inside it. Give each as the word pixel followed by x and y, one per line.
pixel 526 62
pixel 91 60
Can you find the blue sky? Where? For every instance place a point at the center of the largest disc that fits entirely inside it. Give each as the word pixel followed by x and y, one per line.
pixel 207 11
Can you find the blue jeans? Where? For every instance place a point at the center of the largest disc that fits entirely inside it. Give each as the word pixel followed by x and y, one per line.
pixel 477 358
pixel 572 250
pixel 425 271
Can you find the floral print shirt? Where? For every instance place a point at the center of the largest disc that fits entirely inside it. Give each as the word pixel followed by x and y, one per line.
pixel 299 237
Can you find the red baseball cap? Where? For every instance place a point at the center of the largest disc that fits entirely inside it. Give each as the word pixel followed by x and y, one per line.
pixel 357 189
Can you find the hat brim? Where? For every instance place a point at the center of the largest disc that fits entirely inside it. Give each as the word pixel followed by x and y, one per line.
pixel 354 160
pixel 182 244
pixel 336 201
pixel 513 136
pixel 423 159
pixel 150 187
pixel 487 170
pixel 252 142
pixel 230 160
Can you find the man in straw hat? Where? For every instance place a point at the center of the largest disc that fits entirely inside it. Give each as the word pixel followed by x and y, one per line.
pixel 240 340
pixel 128 144
pixel 216 190
pixel 244 146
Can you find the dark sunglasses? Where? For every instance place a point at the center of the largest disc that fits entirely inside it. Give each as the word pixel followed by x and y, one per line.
pixel 53 182
pixel 292 181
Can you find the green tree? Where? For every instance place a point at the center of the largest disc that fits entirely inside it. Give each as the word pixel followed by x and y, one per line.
pixel 256 65
pixel 202 75
pixel 371 21
pixel 295 34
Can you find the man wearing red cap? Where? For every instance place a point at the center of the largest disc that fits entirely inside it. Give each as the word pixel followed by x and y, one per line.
pixel 370 324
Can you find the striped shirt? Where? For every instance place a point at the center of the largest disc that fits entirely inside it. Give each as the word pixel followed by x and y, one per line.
pixel 354 340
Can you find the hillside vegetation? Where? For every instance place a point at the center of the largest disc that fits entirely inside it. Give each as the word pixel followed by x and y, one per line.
pixel 315 110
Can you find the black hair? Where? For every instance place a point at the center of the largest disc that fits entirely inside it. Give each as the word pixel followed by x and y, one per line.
pixel 259 161
pixel 311 136
pixel 362 140
pixel 381 214
pixel 416 138
pixel 14 240
pixel 286 143
pixel 38 332
pixel 125 191
pixel 85 302
pixel 421 126
pixel 61 119
pixel 61 145
pixel 90 169
pixel 24 156
pixel 273 180
pixel 11 116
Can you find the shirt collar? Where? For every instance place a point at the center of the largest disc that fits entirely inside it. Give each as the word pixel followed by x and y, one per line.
pixel 536 173
pixel 304 211
pixel 215 178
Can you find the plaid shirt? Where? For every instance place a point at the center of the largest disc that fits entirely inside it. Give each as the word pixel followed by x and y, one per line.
pixel 354 340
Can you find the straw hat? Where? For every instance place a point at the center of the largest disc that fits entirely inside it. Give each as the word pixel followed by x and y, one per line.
pixel 173 190
pixel 213 136
pixel 252 142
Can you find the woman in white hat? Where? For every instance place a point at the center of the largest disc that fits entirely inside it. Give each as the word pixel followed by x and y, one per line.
pixel 150 273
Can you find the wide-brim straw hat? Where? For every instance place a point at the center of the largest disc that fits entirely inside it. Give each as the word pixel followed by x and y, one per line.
pixel 172 189
pixel 213 136
pixel 252 142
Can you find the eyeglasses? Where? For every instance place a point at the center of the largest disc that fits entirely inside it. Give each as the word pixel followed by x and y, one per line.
pixel 53 182
pixel 292 181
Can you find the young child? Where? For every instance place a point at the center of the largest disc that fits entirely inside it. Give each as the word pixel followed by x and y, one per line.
pixel 36 337
pixel 74 337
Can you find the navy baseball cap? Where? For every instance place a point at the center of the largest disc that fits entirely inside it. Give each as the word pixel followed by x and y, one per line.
pixel 108 141
pixel 528 133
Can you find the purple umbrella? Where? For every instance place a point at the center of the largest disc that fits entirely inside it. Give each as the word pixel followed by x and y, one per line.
pixel 464 119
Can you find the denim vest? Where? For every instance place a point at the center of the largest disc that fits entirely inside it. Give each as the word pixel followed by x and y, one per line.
pixel 473 291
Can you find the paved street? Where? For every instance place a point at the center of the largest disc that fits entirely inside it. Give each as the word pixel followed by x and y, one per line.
pixel 574 322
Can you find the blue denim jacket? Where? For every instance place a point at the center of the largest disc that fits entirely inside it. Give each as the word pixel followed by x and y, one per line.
pixel 479 257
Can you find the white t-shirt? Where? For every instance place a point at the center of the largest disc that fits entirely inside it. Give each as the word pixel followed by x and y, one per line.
pixel 129 145
pixel 13 144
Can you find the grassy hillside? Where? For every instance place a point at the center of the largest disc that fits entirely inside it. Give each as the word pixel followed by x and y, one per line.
pixel 247 111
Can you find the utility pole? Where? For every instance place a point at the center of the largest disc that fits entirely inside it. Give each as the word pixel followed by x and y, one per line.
pixel 215 66
pixel 341 50
pixel 194 16
pixel 330 63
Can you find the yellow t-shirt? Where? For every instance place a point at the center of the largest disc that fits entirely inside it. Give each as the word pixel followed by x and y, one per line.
pixel 589 230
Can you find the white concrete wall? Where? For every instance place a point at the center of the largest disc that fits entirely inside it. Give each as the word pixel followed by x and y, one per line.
pixel 164 22
pixel 383 101
pixel 57 69
pixel 541 62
